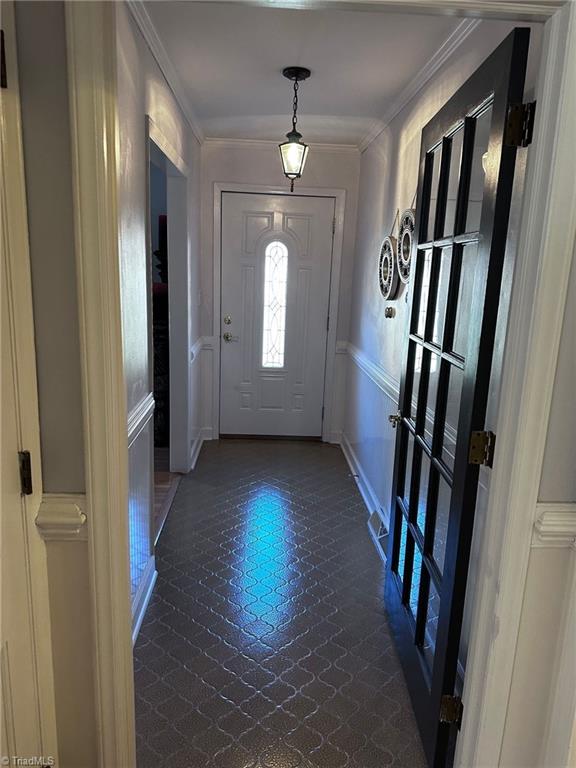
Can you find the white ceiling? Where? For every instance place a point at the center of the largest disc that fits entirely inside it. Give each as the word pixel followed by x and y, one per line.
pixel 229 59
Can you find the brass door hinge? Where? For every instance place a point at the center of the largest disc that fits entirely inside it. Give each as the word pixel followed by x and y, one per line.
pixel 451 710
pixel 520 124
pixel 482 448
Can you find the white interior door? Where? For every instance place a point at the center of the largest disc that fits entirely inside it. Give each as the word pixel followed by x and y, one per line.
pixel 275 290
pixel 27 710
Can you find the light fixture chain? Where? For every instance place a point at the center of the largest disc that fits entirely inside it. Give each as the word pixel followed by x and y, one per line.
pixel 295 105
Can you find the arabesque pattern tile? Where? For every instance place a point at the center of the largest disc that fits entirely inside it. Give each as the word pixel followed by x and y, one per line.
pixel 266 644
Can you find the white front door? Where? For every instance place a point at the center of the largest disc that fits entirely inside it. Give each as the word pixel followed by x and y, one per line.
pixel 275 275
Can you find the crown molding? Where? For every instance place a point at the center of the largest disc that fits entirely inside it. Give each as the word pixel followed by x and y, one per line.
pixel 555 526
pixel 440 57
pixel 148 30
pixel 514 10
pixel 269 143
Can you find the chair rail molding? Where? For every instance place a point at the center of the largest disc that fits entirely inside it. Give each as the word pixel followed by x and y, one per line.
pixel 61 517
pixel 139 416
pixel 196 348
pixel 375 372
pixel 555 526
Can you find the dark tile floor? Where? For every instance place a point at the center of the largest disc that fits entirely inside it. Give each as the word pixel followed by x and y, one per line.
pixel 265 644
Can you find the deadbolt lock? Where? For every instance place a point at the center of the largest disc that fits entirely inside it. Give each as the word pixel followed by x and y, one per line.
pixel 395 419
pixel 227 320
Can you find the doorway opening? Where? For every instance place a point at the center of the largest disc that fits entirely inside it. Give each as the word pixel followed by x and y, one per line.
pixel 165 481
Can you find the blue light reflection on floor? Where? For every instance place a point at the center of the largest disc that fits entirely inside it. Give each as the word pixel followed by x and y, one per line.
pixel 263 589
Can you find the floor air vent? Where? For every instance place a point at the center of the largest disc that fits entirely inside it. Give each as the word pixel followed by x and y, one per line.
pixel 379 533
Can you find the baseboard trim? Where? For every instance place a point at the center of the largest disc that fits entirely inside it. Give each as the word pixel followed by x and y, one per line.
pixel 61 517
pixel 208 434
pixel 196 448
pixel 364 486
pixel 142 597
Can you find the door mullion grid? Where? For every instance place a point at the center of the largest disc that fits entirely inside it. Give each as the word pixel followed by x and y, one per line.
pixel 444 242
pixel 414 479
pixel 460 238
pixel 453 358
pixel 422 605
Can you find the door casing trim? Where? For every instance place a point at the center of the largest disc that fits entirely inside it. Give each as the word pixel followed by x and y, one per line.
pixel 92 70
pixel 339 196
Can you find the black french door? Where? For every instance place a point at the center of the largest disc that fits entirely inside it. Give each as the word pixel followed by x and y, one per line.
pixel 464 194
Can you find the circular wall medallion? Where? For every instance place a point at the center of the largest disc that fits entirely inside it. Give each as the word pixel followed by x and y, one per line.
pixel 387 274
pixel 404 251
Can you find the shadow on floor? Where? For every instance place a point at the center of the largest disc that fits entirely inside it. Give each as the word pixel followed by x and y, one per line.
pixel 265 644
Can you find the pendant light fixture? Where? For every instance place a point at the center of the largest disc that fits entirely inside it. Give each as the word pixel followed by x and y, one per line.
pixel 294 152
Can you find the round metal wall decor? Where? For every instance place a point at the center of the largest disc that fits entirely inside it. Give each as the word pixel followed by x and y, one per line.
pixel 404 250
pixel 387 274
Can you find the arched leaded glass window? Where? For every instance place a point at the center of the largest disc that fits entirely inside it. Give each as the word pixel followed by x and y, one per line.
pixel 274 320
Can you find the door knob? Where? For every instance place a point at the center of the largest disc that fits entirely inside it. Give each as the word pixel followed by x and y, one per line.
pixel 395 419
pixel 228 337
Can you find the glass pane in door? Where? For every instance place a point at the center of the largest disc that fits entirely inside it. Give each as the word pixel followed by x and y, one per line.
pixel 424 292
pixel 431 631
pixel 453 180
pixel 465 291
pixel 434 189
pixel 452 413
pixel 442 515
pixel 423 493
pixel 408 471
pixel 442 295
pixel 479 167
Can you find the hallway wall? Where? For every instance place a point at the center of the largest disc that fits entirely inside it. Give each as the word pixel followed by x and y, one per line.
pixel 142 90
pixel 41 36
pixel 558 482
pixel 48 166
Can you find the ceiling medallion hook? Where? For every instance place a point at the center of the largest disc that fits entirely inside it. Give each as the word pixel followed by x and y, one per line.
pixel 294 152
